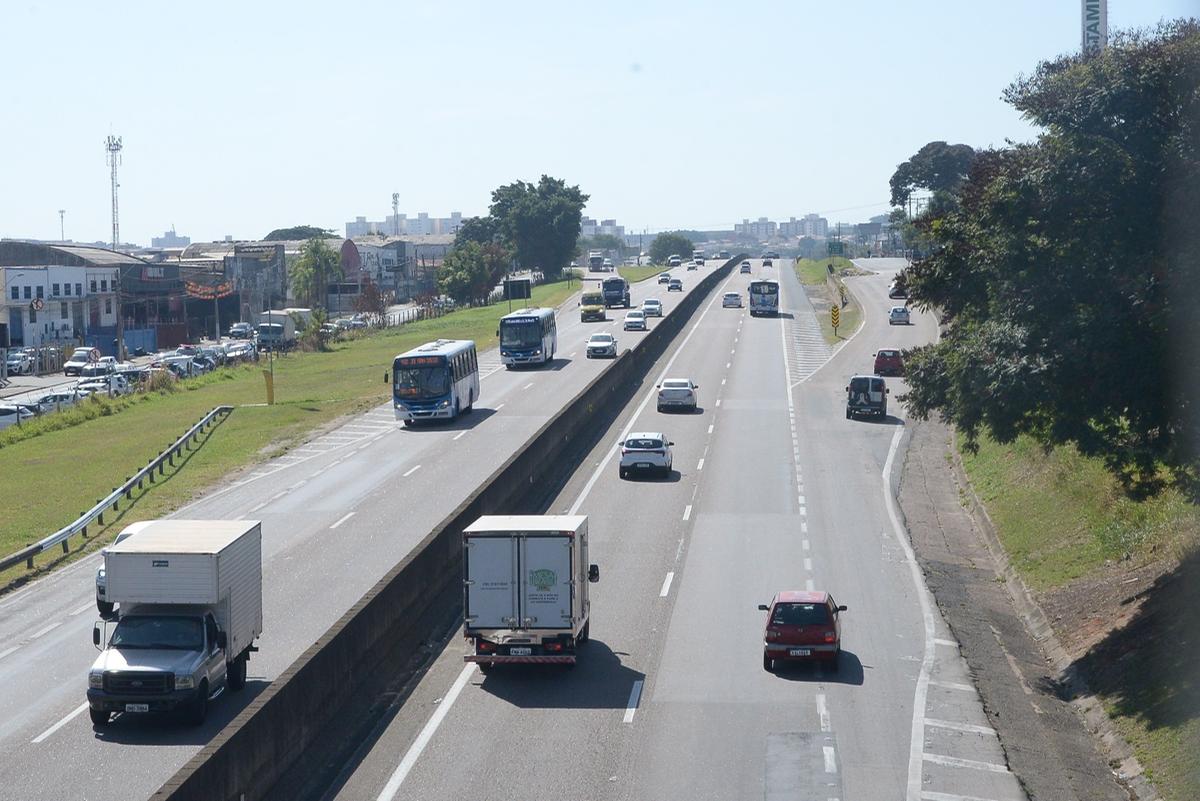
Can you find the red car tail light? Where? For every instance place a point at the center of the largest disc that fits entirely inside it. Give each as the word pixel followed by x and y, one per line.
pixel 553 646
pixel 830 635
pixel 484 646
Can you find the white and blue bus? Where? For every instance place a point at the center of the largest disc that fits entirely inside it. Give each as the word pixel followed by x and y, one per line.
pixel 528 336
pixel 437 380
pixel 764 298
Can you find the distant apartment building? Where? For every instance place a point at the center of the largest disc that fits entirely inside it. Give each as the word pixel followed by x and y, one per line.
pixel 402 224
pixel 760 229
pixel 170 240
pixel 589 228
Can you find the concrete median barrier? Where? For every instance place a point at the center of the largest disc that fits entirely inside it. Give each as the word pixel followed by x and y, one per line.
pixel 246 759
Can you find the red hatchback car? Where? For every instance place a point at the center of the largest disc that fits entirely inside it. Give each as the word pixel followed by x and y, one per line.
pixel 888 362
pixel 802 626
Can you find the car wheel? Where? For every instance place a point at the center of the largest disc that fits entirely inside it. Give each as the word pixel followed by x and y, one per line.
pixel 768 664
pixel 660 408
pixel 99 718
pixel 621 472
pixel 849 415
pixel 198 712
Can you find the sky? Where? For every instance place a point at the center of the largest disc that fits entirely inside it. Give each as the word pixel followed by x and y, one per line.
pixel 240 117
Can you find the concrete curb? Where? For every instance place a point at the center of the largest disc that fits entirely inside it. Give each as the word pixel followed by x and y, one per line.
pixel 1127 768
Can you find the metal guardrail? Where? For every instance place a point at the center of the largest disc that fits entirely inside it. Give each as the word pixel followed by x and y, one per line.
pixel 113 499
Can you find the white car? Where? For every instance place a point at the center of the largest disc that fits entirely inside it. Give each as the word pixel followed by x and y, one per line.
pixel 652 307
pixel 731 300
pixel 601 345
pixel 11 415
pixel 80 358
pixel 664 278
pixel 57 400
pixel 745 268
pixel 635 320
pixel 693 265
pixel 113 385
pixel 19 363
pixel 898 316
pixel 677 393
pixel 645 452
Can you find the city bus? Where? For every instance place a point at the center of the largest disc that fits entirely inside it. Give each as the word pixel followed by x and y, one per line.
pixel 437 380
pixel 764 297
pixel 527 336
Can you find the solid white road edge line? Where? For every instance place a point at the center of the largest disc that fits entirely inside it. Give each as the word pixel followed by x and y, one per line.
pixel 342 519
pixel 459 435
pixel 70 716
pixel 8 651
pixel 916 743
pixel 653 393
pixel 414 751
pixel 410 471
pixel 666 587
pixel 635 695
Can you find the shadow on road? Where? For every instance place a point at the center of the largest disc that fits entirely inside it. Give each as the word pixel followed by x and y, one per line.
pixel 850 671
pixel 674 477
pixel 464 422
pixel 555 364
pixel 598 681
pixel 885 420
pixel 162 728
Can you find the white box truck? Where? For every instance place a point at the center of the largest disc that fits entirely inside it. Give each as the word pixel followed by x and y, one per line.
pixel 525 588
pixel 276 330
pixel 189 608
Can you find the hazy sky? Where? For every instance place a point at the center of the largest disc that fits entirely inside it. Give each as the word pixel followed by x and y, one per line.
pixel 239 117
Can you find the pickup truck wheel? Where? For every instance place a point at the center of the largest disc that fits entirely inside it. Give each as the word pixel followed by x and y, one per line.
pixel 104 608
pixel 237 674
pixel 199 708
pixel 768 664
pixel 99 718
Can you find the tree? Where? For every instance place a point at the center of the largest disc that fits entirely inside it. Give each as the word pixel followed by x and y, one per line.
pixel 937 166
pixel 540 222
pixel 669 244
pixel 312 272
pixel 297 232
pixel 371 301
pixel 1067 274
pixel 483 230
pixel 465 274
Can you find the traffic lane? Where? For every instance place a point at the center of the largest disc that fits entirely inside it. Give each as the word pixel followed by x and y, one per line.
pixel 503 721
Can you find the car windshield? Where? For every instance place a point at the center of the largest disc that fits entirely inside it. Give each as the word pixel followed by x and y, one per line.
pixel 859 384
pixel 523 334
pixel 888 354
pixel 794 614
pixel 601 339
pixel 592 299
pixel 422 382
pixel 636 315
pixel 169 632
pixel 643 444
pixel 676 384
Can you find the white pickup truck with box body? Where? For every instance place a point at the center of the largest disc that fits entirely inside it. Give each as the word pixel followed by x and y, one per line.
pixel 525 588
pixel 189 608
pixel 276 330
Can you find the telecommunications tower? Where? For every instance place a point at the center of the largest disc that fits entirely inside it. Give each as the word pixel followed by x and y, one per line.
pixel 396 213
pixel 113 146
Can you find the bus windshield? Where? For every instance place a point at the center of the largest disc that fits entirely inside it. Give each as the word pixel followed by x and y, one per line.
pixel 764 288
pixel 426 381
pixel 520 333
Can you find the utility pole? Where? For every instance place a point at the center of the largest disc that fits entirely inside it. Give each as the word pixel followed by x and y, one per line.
pixel 113 146
pixel 396 213
pixel 62 236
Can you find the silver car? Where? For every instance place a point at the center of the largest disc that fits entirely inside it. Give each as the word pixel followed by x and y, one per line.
pixel 600 345
pixel 898 316
pixel 677 393
pixel 731 300
pixel 635 320
pixel 652 307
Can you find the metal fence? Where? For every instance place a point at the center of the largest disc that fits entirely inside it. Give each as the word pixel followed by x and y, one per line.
pixel 123 492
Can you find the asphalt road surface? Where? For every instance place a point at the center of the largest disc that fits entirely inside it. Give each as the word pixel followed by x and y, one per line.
pixel 337 514
pixel 772 489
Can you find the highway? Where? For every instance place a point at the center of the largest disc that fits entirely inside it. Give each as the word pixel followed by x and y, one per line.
pixel 337 512
pixel 773 489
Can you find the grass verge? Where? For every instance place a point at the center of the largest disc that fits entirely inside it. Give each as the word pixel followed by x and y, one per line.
pixel 635 274
pixel 1120 579
pixel 813 273
pixel 53 473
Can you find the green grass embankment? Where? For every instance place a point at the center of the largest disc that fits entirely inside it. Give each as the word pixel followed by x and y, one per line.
pixel 1088 551
pixel 52 473
pixel 635 274
pixel 815 275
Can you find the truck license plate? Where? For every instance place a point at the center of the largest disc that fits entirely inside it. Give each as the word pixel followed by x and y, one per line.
pixel 643 465
pixel 137 707
pixel 800 652
pixel 520 651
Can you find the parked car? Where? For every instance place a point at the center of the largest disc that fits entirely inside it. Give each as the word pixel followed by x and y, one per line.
pixel 113 384
pixel 731 300
pixel 652 307
pixel 888 362
pixel 676 285
pixel 60 399
pixel 12 414
pixel 745 268
pixel 330 329
pixel 241 331
pixel 645 452
pixel 79 359
pixel 187 350
pixel 866 394
pixel 95 369
pixel 677 393
pixel 216 353
pixel 635 320
pixel 802 626
pixel 601 345
pixel 204 363
pixel 898 316
pixel 19 362
pixel 664 278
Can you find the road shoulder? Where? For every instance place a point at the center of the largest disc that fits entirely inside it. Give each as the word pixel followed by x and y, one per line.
pixel 1046 739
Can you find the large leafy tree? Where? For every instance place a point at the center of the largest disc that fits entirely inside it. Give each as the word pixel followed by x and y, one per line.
pixel 670 243
pixel 540 222
pixel 938 167
pixel 312 272
pixel 470 271
pixel 1068 274
pixel 297 232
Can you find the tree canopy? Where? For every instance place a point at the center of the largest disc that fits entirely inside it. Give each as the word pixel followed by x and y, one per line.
pixel 1068 273
pixel 670 243
pixel 298 232
pixel 470 271
pixel 540 222
pixel 937 166
pixel 312 272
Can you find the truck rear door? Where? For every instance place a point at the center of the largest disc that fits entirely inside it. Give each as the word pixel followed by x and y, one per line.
pixel 491 569
pixel 546 584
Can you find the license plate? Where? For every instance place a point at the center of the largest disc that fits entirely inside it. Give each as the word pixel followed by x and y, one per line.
pixel 800 652
pixel 137 707
pixel 520 651
pixel 643 465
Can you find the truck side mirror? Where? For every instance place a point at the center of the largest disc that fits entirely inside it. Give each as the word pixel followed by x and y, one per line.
pixel 222 640
pixel 763 608
pixel 842 608
pixel 96 634
pixel 594 573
